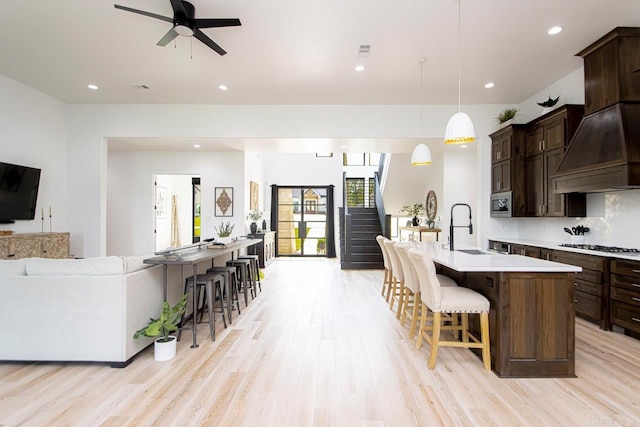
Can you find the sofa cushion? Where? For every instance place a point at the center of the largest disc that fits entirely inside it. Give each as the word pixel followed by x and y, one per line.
pixel 135 263
pixel 98 266
pixel 14 267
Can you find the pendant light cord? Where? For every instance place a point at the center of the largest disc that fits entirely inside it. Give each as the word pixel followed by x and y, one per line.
pixel 459 54
pixel 421 91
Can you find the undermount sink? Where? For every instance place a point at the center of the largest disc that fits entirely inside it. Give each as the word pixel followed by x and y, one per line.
pixel 473 251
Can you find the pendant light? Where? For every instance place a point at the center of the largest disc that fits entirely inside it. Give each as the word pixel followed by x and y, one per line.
pixel 459 129
pixel 421 155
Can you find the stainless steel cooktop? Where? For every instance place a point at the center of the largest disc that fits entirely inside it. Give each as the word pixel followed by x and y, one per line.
pixel 610 249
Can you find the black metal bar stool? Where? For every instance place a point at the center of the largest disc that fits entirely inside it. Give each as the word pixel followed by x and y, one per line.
pixel 232 288
pixel 244 268
pixel 255 267
pixel 213 284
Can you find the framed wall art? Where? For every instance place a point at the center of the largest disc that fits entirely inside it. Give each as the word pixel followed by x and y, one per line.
pixel 253 196
pixel 224 201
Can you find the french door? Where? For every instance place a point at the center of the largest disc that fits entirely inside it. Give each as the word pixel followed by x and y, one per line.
pixel 301 227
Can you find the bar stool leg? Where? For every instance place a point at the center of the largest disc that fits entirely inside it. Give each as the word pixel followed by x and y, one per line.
pixel 219 287
pixel 210 310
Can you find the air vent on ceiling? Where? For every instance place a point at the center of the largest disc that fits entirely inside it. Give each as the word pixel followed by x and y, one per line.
pixel 144 87
pixel 364 50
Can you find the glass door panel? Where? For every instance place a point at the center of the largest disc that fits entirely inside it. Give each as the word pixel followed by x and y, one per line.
pixel 302 221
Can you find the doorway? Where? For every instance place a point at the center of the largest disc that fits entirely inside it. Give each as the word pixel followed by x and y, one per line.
pixel 177 210
pixel 302 218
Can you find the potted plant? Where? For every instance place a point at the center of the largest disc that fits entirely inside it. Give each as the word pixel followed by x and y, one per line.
pixel 254 216
pixel 507 116
pixel 413 211
pixel 224 231
pixel 321 246
pixel 164 348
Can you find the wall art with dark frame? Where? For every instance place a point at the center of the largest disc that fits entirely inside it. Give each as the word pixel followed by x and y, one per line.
pixel 224 201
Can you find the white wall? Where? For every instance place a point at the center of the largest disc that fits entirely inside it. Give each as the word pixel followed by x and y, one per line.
pixel 32 133
pixel 253 171
pixel 130 197
pixel 408 185
pixel 305 169
pixel 461 185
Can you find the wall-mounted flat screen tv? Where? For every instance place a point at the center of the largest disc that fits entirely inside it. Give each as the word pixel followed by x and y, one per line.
pixel 18 192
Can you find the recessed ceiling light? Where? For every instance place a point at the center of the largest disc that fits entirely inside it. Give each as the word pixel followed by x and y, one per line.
pixel 359 67
pixel 554 30
pixel 196 145
pixel 92 87
pixel 489 85
pixel 223 87
pixel 463 146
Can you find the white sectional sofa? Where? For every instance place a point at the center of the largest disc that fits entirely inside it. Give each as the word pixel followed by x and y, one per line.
pixel 77 309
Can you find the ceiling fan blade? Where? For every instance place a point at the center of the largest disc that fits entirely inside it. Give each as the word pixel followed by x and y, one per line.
pixel 171 34
pixel 213 23
pixel 178 8
pixel 142 12
pixel 206 40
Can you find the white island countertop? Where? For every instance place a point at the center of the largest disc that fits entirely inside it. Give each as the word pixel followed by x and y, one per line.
pixel 492 261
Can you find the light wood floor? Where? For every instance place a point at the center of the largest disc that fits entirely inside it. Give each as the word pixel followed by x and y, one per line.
pixel 319 347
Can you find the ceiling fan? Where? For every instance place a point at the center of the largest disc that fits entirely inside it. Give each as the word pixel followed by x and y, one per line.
pixel 185 23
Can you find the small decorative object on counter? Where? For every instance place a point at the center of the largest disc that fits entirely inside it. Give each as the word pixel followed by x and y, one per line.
pixel 413 211
pixel 254 215
pixel 224 231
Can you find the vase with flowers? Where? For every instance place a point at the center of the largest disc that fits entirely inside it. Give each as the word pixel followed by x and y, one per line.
pixel 224 231
pixel 413 211
pixel 254 216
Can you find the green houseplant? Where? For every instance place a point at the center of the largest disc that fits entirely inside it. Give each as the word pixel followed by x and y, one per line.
pixel 165 346
pixel 254 216
pixel 224 231
pixel 413 211
pixel 507 114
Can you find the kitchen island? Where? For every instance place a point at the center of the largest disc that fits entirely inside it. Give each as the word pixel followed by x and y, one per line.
pixel 531 320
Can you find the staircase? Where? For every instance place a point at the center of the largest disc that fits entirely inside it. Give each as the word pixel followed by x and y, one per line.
pixel 364 251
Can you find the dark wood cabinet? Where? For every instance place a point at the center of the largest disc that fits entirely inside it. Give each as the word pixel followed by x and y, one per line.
pixel 545 140
pixel 590 285
pixel 525 250
pixel 507 165
pixel 625 296
pixel 265 251
pixel 501 176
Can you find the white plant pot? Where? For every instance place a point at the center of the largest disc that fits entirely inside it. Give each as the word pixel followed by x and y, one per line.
pixel 224 240
pixel 165 350
pixel 506 123
pixel 578 240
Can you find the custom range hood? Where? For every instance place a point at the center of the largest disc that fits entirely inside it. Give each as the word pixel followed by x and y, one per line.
pixel 604 153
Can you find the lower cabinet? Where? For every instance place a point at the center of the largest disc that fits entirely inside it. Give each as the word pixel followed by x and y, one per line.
pixel 589 286
pixel 625 295
pixel 265 251
pixel 34 245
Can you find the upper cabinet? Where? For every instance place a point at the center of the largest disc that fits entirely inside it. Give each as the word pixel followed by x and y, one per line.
pixel 507 163
pixel 545 141
pixel 525 157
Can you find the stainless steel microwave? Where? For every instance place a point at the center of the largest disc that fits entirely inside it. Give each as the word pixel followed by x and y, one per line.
pixel 501 204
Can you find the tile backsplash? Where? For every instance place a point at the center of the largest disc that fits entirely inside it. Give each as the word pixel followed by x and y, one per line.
pixel 613 219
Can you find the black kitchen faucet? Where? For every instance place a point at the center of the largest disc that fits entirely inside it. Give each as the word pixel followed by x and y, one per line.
pixel 451 227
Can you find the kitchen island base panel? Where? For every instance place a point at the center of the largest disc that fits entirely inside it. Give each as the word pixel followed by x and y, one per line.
pixel 531 321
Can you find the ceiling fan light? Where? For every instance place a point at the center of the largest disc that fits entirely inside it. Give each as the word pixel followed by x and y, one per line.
pixel 421 155
pixel 183 30
pixel 459 129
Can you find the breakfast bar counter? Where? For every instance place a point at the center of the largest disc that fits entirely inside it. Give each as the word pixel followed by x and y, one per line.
pixel 532 318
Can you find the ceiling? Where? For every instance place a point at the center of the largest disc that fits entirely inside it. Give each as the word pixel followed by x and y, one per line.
pixel 302 52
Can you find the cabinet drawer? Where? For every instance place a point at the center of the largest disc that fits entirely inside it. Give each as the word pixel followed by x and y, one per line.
pixel 626 296
pixel 628 268
pixel 590 275
pixel 588 287
pixel 588 305
pixel 625 315
pixel 626 282
pixel 585 261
